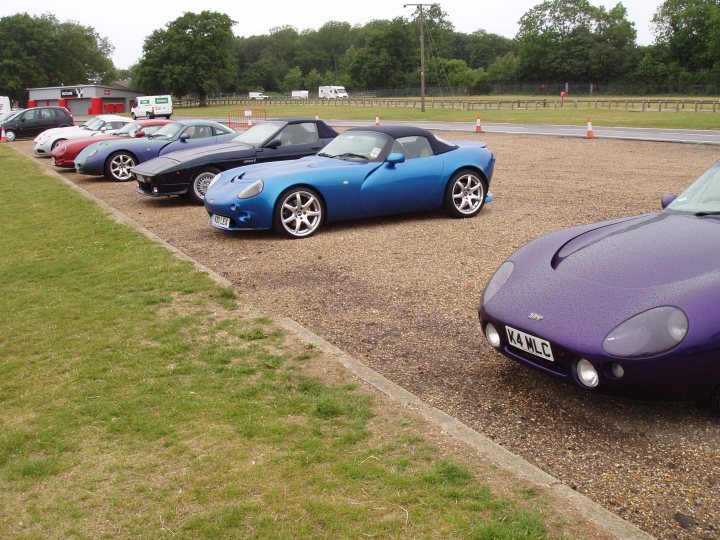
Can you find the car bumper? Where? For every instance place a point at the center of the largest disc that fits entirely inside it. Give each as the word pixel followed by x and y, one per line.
pixel 250 214
pixel 673 376
pixel 42 149
pixel 150 186
pixel 64 163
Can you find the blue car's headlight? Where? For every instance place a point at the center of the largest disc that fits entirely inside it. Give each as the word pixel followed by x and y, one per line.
pixel 651 332
pixel 215 179
pixel 501 275
pixel 252 190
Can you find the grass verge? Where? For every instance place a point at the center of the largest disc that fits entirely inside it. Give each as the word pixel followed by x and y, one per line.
pixel 137 399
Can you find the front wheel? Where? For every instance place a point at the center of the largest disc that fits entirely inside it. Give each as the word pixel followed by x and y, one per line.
pixel 200 183
pixel 133 116
pixel 298 213
pixel 10 135
pixel 55 143
pixel 465 194
pixel 118 165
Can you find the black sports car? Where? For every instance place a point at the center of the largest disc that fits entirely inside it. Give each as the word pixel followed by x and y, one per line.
pixel 190 171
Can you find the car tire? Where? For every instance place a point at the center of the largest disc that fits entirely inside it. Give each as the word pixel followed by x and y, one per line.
pixel 117 166
pixel 10 135
pixel 167 116
pixel 299 212
pixel 150 115
pixel 133 116
pixel 55 143
pixel 200 183
pixel 465 194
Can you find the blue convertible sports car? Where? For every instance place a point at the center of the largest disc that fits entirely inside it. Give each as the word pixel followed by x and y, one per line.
pixel 362 172
pixel 114 159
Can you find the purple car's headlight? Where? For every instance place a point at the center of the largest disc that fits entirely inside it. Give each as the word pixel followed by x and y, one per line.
pixel 651 332
pixel 501 275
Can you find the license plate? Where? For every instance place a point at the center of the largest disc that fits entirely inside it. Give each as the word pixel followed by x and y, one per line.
pixel 530 344
pixel 221 221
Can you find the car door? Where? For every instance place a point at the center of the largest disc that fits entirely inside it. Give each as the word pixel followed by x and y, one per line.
pixel 29 123
pixel 191 137
pixel 296 141
pixel 404 187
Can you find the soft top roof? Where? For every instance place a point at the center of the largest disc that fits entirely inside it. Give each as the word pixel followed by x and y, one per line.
pixel 397 132
pixel 324 131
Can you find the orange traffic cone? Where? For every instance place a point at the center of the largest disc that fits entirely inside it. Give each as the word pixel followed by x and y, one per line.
pixel 589 134
pixel 478 125
pixel 377 119
pixel 3 138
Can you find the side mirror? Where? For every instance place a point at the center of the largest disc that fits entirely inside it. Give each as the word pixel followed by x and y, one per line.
pixel 666 199
pixel 275 143
pixel 139 133
pixel 395 158
pixel 184 137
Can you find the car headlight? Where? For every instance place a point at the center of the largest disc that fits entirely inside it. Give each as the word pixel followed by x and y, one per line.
pixel 651 332
pixel 498 279
pixel 92 152
pixel 252 190
pixel 215 179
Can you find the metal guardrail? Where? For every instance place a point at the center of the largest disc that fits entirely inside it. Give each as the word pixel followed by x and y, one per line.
pixel 661 105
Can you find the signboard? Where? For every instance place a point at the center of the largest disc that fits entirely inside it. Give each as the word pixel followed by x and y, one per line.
pixel 106 92
pixel 71 93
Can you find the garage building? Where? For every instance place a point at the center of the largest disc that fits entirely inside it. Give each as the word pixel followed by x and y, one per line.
pixel 84 99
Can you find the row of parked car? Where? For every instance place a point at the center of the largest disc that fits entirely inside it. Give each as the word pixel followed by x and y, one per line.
pixel 625 307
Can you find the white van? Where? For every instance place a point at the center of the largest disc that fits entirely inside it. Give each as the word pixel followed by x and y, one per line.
pixel 152 106
pixel 300 94
pixel 4 104
pixel 258 95
pixel 332 92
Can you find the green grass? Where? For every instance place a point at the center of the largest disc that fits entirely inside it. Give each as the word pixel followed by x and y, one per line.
pixel 565 116
pixel 136 401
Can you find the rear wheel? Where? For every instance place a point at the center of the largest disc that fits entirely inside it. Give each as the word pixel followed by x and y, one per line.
pixel 465 194
pixel 10 135
pixel 299 212
pixel 117 166
pixel 200 183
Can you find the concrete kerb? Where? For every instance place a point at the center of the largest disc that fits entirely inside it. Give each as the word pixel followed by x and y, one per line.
pixel 611 523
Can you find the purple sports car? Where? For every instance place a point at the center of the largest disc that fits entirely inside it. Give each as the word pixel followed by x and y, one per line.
pixel 628 307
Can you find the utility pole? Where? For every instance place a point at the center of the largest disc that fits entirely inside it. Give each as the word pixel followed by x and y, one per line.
pixel 422 51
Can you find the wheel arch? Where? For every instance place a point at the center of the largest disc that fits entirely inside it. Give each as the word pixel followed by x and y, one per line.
pixel 473 168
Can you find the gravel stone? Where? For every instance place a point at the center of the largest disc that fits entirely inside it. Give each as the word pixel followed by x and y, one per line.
pixel 401 293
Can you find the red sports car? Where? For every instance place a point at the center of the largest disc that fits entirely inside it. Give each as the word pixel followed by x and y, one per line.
pixel 64 154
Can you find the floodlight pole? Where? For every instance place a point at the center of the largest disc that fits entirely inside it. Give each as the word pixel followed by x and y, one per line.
pixel 422 52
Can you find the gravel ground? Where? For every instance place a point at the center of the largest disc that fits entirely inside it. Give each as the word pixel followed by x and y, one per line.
pixel 401 294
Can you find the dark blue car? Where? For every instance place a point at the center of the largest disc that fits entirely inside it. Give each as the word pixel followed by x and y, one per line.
pixel 114 159
pixel 626 307
pixel 362 172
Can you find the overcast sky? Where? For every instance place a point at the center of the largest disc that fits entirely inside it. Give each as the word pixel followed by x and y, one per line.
pixel 126 24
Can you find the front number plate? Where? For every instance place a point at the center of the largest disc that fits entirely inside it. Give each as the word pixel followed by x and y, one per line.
pixel 221 221
pixel 530 344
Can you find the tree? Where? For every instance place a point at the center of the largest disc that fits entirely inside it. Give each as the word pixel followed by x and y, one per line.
pixel 41 51
pixel 573 40
pixel 293 80
pixel 688 30
pixel 192 55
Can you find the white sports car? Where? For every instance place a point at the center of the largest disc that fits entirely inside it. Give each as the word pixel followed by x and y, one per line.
pixel 50 138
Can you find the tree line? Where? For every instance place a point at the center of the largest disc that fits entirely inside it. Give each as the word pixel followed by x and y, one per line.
pixel 559 41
